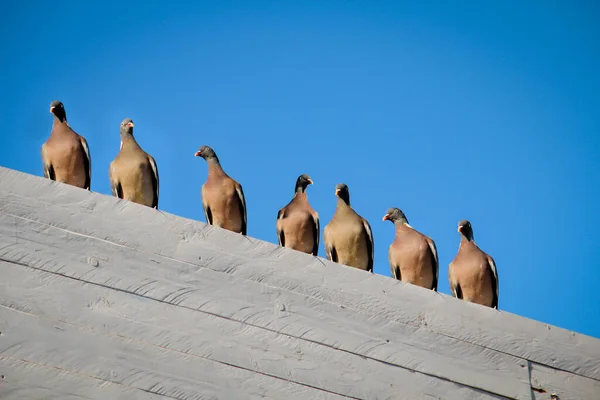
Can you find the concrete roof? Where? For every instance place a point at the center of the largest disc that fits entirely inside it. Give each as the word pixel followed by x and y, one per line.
pixel 102 298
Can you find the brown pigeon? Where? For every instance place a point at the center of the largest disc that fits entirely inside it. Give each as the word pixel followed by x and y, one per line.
pixel 297 223
pixel 133 173
pixel 413 256
pixel 472 274
pixel 66 155
pixel 348 238
pixel 222 197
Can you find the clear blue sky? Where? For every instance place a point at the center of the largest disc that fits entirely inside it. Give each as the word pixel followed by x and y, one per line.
pixel 488 111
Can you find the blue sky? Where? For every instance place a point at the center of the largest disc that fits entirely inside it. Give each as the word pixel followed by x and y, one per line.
pixel 481 110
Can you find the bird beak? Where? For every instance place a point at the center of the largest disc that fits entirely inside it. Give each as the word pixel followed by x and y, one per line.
pixel 459 228
pixel 130 124
pixel 337 191
pixel 385 217
pixel 310 182
pixel 52 110
pixel 197 154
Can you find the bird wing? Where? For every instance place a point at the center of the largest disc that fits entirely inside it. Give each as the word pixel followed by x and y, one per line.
pixel 326 241
pixel 316 233
pixel 242 199
pixel 436 267
pixel 155 181
pixel 279 228
pixel 115 185
pixel 46 165
pixel 205 207
pixel 87 159
pixel 393 265
pixel 370 244
pixel 495 282
pixel 451 281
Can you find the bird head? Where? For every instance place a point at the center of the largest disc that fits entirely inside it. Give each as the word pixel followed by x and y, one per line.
pixel 205 152
pixel 302 182
pixel 465 229
pixel 342 191
pixel 127 126
pixel 395 215
pixel 57 108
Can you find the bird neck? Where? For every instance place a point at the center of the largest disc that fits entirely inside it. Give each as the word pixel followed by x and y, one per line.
pixel 127 139
pixel 465 241
pixel 402 225
pixel 300 196
pixel 125 135
pixel 299 189
pixel 60 120
pixel 214 166
pixel 343 202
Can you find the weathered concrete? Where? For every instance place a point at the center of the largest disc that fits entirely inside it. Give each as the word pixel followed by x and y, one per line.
pixel 103 298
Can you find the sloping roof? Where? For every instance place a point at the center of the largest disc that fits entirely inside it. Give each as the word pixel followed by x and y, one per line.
pixel 102 298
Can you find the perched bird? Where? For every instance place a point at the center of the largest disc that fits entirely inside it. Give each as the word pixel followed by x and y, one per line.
pixel 297 223
pixel 472 274
pixel 348 238
pixel 66 155
pixel 133 173
pixel 413 256
pixel 222 197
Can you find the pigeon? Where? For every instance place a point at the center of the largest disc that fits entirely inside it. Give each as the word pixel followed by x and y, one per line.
pixel 413 256
pixel 297 223
pixel 472 274
pixel 348 238
pixel 133 173
pixel 66 155
pixel 222 197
